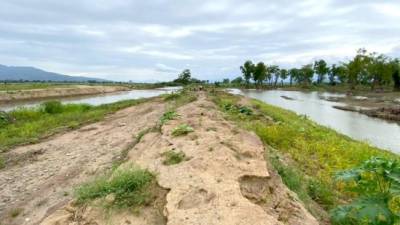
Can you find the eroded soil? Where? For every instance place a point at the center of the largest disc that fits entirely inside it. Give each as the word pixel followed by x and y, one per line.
pixel 224 179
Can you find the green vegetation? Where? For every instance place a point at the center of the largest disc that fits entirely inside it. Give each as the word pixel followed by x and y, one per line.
pixel 123 188
pixel 16 212
pixel 314 152
pixel 376 184
pixel 172 157
pixel 28 125
pixel 170 115
pixel 2 162
pixel 181 130
pixel 372 70
pixel 31 85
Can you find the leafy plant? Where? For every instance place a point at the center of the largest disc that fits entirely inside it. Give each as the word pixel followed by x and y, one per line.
pixel 170 115
pixel 5 118
pixel 182 129
pixel 376 182
pixel 172 157
pixel 129 187
pixel 52 107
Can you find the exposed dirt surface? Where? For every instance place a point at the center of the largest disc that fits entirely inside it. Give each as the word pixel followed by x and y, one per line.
pixel 386 113
pixel 7 96
pixel 223 180
pixel 41 176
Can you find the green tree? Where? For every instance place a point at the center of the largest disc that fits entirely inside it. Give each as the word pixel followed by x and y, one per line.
pixel 321 69
pixel 247 70
pixel 356 68
pixel 396 74
pixel 184 77
pixel 237 80
pixel 274 71
pixel 283 73
pixel 294 74
pixel 225 81
pixel 260 73
pixel 379 70
pixel 306 74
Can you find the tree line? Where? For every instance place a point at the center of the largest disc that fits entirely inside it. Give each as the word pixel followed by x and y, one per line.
pixel 372 69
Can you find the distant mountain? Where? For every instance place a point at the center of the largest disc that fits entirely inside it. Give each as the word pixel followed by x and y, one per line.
pixel 14 73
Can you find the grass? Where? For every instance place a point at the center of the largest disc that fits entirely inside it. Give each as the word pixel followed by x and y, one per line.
pixel 28 125
pixel 30 86
pixel 181 130
pixel 123 188
pixel 16 212
pixel 2 162
pixel 172 157
pixel 315 152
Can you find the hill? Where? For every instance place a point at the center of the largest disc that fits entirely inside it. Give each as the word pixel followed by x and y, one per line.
pixel 15 73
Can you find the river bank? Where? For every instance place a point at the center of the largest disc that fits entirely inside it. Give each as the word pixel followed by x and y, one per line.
pixel 53 92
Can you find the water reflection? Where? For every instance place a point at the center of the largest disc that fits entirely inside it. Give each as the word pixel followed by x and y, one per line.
pixel 375 131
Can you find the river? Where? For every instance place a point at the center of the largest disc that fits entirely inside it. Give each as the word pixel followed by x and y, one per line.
pixel 94 99
pixel 377 132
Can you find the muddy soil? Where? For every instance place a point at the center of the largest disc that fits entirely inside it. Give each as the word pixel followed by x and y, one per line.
pixel 224 179
pixel 77 90
pixel 41 177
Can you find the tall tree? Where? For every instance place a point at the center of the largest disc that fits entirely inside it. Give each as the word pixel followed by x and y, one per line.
pixel 306 74
pixel 356 68
pixel 274 70
pixel 321 69
pixel 396 74
pixel 247 70
pixel 337 72
pixel 283 73
pixel 293 73
pixel 184 77
pixel 379 70
pixel 260 73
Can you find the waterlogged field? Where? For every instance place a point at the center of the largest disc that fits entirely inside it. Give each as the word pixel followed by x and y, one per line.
pixel 305 154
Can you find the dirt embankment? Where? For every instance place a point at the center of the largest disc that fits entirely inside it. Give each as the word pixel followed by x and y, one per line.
pixel 7 96
pixel 224 179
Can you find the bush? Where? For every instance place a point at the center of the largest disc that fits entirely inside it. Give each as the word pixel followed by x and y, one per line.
pixel 129 187
pixel 52 107
pixel 170 115
pixel 182 129
pixel 376 182
pixel 172 157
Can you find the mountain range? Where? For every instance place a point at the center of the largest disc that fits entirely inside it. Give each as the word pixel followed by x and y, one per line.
pixel 16 73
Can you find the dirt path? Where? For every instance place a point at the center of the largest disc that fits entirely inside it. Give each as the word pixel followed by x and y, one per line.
pixel 225 179
pixel 44 174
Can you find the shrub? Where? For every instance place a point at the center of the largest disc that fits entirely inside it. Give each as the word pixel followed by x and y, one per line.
pixel 52 107
pixel 172 157
pixel 129 187
pixel 170 115
pixel 182 129
pixel 376 182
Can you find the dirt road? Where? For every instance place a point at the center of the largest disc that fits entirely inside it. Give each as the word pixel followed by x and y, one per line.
pixel 224 180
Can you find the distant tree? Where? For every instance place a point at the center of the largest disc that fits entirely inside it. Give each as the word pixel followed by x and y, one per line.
pixel 184 77
pixel 237 80
pixel 379 70
pixel 294 74
pixel 283 73
pixel 306 74
pixel 274 71
pixel 356 68
pixel 321 69
pixel 226 81
pixel 259 73
pixel 247 70
pixel 396 74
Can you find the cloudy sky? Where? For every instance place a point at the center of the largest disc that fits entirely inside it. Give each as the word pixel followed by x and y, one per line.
pixel 156 39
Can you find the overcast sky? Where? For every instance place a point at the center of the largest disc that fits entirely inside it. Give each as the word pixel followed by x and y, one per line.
pixel 150 40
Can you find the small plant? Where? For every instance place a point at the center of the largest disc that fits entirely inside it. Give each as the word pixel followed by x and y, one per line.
pixel 127 188
pixel 172 157
pixel 377 184
pixel 15 212
pixel 5 118
pixel 238 109
pixel 170 115
pixel 182 129
pixel 52 107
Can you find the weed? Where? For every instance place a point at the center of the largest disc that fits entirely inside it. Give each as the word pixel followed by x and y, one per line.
pixel 171 157
pixel 128 188
pixel 170 115
pixel 182 129
pixel 2 162
pixel 52 107
pixel 211 129
pixel 16 212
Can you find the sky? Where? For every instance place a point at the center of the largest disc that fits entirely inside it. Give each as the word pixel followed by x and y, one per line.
pixel 154 40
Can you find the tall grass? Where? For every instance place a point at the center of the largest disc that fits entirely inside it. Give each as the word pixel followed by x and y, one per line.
pixel 30 124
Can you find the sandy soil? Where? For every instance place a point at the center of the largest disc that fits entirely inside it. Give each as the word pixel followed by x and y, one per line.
pixel 225 179
pixel 7 96
pixel 44 174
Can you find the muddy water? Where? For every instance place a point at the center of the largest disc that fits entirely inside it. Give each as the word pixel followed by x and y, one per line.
pixel 377 132
pixel 94 99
